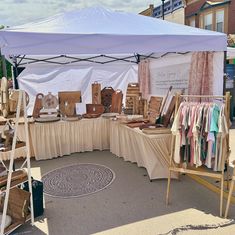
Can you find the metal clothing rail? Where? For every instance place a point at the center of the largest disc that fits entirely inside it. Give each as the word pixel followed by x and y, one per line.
pixel 179 169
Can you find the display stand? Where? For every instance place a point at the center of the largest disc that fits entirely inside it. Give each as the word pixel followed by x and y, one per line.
pixel 195 171
pixel 230 191
pixel 10 184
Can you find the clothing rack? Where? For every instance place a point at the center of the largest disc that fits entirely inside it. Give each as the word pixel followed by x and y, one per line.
pixel 177 168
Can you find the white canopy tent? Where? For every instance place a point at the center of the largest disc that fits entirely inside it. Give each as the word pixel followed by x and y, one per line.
pixel 102 31
pixel 60 43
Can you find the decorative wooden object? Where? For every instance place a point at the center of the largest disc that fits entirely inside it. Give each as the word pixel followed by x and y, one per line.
pixel 167 117
pixel 13 100
pixel 49 101
pixel 133 96
pixel 4 106
pixel 195 171
pixel 116 106
pixel 96 93
pixel 230 192
pixel 67 102
pixel 154 108
pixel 143 108
pixel 94 108
pixel 37 105
pixel 106 98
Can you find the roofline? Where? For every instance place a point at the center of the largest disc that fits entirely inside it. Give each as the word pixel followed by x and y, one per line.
pixel 210 6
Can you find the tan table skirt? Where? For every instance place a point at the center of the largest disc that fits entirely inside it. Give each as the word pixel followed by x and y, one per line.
pixel 50 140
pixel 149 151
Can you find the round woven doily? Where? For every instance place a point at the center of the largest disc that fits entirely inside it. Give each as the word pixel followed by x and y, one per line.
pixel 77 180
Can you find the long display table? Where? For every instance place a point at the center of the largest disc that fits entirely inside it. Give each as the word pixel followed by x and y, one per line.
pixel 149 151
pixel 55 139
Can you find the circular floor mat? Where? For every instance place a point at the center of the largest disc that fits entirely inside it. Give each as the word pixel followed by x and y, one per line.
pixel 77 180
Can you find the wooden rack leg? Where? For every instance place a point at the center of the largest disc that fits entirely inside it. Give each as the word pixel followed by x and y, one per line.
pixel 168 188
pixel 12 155
pixel 221 196
pixel 227 174
pixel 28 159
pixel 229 198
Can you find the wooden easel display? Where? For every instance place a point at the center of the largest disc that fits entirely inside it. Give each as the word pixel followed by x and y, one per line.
pixel 195 171
pixel 16 178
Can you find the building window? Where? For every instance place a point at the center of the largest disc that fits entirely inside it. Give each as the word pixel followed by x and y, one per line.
pixel 220 21
pixel 208 21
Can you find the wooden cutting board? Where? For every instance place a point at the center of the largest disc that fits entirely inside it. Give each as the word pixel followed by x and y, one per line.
pixel 133 96
pixel 155 103
pixel 116 106
pixel 37 105
pixel 154 108
pixel 167 117
pixel 96 93
pixel 143 107
pixel 67 102
pixel 106 98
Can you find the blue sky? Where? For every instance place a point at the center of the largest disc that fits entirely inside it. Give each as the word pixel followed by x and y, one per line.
pixel 16 12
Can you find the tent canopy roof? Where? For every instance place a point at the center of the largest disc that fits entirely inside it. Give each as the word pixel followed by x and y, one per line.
pixel 101 31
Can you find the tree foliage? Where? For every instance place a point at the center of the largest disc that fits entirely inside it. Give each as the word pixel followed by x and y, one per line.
pixel 8 65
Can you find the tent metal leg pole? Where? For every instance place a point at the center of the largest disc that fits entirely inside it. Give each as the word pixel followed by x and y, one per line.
pixel 225 71
pixel 4 67
pixel 16 73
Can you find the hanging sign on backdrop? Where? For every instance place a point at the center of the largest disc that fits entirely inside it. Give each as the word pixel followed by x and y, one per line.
pixel 176 76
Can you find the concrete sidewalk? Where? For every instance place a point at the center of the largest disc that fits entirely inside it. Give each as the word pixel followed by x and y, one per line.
pixel 130 198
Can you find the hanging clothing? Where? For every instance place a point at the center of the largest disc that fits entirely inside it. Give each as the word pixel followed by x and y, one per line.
pixel 199 130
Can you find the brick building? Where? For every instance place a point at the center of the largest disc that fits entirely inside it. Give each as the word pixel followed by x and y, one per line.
pixel 173 11
pixel 216 15
pixel 148 11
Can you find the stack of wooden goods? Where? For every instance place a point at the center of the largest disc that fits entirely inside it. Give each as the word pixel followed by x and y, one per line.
pixel 106 102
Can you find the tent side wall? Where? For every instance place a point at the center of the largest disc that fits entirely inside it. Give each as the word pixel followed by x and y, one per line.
pixel 48 78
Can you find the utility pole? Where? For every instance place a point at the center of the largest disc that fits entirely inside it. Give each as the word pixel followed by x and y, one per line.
pixel 163 4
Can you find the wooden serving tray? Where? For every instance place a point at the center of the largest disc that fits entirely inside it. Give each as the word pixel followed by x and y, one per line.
pixel 136 124
pixel 91 115
pixel 17 176
pixel 47 119
pixel 19 144
pixel 94 108
pixel 156 131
